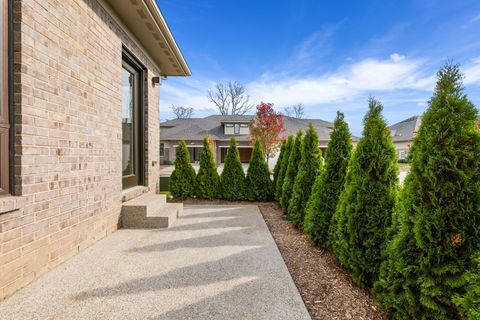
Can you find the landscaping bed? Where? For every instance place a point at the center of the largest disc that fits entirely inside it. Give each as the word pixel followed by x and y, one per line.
pixel 324 285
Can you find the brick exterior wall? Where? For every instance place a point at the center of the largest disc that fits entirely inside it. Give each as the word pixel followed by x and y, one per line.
pixel 68 135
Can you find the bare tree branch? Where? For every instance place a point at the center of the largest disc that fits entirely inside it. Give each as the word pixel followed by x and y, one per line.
pixel 182 112
pixel 295 111
pixel 219 98
pixel 230 98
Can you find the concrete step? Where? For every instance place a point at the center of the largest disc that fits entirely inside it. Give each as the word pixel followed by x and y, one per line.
pixel 150 211
pixel 134 192
pixel 146 204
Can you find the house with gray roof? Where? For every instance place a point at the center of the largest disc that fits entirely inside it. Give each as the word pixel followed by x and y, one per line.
pixel 403 134
pixel 221 128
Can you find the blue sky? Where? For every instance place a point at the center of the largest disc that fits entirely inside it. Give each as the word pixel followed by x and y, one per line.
pixel 328 55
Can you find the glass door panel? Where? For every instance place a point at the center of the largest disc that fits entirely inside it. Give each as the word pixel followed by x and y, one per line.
pixel 128 160
pixel 130 125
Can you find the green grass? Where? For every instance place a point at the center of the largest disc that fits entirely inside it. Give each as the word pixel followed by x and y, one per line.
pixel 167 193
pixel 403 166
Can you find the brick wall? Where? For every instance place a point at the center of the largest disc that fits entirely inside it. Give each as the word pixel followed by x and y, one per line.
pixel 67 101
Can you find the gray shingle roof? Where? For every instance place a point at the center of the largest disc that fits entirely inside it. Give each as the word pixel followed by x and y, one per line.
pixel 197 128
pixel 406 129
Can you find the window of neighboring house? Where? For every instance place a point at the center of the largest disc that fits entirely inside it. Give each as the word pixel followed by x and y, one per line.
pixel 236 128
pixel 4 116
pixel 162 149
pixel 402 154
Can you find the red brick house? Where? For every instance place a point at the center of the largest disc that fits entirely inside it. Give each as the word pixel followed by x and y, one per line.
pixel 79 128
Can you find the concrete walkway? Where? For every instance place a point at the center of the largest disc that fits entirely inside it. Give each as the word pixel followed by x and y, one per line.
pixel 217 262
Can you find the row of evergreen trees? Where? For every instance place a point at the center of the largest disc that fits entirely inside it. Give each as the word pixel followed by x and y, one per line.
pixel 231 185
pixel 416 247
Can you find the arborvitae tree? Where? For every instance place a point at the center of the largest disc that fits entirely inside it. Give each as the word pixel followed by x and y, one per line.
pixel 329 185
pixel 440 210
pixel 283 168
pixel 232 179
pixel 259 186
pixel 469 302
pixel 309 168
pixel 336 228
pixel 207 180
pixel 182 180
pixel 396 286
pixel 278 164
pixel 292 169
pixel 365 208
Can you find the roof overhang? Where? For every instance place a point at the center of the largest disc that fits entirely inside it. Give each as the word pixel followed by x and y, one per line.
pixel 146 23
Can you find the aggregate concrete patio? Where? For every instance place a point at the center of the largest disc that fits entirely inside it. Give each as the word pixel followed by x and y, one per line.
pixel 217 262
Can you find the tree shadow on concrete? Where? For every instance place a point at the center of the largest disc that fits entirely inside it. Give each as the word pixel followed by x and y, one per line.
pixel 243 237
pixel 254 283
pixel 252 262
pixel 244 301
pixel 214 212
pixel 211 224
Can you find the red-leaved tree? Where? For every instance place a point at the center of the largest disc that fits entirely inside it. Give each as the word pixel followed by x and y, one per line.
pixel 267 127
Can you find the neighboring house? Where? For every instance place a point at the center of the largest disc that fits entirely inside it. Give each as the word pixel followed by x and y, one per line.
pixel 79 129
pixel 221 129
pixel 403 134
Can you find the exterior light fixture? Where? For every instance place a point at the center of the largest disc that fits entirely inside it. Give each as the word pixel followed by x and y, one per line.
pixel 156 81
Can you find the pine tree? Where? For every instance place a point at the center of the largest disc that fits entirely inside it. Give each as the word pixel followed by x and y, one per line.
pixel 439 213
pixel 292 169
pixel 283 168
pixel 278 164
pixel 259 186
pixel 329 185
pixel 207 180
pixel 232 179
pixel 182 180
pixel 365 208
pixel 309 168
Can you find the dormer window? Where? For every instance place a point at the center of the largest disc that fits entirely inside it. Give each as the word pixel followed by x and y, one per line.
pixel 232 128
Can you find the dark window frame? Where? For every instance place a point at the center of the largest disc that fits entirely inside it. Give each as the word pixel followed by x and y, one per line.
pixel 5 93
pixel 131 60
pixel 162 149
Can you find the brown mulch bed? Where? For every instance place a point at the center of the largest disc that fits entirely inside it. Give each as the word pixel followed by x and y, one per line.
pixel 325 287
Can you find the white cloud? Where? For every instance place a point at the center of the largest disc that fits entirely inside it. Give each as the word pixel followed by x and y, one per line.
pixel 397 57
pixel 315 45
pixel 185 92
pixel 396 80
pixel 472 72
pixel 475 19
pixel 346 84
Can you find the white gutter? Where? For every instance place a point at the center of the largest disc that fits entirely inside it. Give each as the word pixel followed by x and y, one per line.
pixel 162 24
